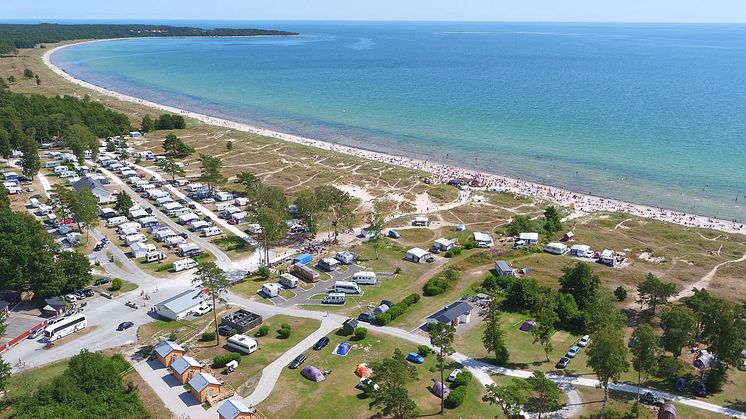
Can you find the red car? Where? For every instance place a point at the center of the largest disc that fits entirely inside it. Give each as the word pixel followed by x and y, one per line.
pixel 67 221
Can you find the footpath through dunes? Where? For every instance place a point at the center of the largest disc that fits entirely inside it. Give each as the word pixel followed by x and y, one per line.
pixel 704 283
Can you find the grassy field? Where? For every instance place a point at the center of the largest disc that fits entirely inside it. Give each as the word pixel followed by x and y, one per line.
pixel 246 376
pixel 336 397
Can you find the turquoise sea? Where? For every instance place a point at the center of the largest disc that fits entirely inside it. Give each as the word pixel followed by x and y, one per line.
pixel 654 114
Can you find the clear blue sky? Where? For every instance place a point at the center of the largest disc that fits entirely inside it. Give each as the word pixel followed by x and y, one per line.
pixel 480 10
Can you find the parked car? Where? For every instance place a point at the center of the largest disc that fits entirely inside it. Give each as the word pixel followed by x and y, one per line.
pixel 208 201
pixel 415 358
pixel 71 298
pixel 434 250
pixel 366 317
pixel 88 292
pixel 297 361
pixel 651 399
pixel 99 246
pixel 562 363
pixel 225 330
pixel 321 343
pixel 36 333
pixel 102 281
pixel 583 342
pixel 124 325
pixel 453 375
pixel 572 352
pixel 366 382
pixel 202 310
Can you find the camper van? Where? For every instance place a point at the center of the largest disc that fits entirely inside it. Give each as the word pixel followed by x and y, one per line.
pixel 364 278
pixel 556 248
pixel 59 169
pixel 52 163
pixel 155 256
pixel 115 221
pixel 271 290
pixel 184 264
pixel 212 231
pixel 347 287
pixel 179 211
pixel 289 281
pixel 334 298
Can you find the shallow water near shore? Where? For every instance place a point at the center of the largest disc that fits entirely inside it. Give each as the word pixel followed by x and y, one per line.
pixel 652 114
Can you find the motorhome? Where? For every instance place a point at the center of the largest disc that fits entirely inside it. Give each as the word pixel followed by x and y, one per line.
pixel 184 264
pixel 52 163
pixel 334 298
pixel 65 327
pixel 179 211
pixel 242 343
pixel 288 280
pixel 347 287
pixel 271 290
pixel 135 238
pixel 155 256
pixel 59 169
pixel 212 231
pixel 364 278
pixel 556 248
pixel 328 264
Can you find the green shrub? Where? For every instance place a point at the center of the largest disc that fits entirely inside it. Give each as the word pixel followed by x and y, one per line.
pixel 264 272
pixel 411 299
pixel 462 380
pixel 172 336
pixel 361 333
pixel 395 311
pixel 620 293
pixel 456 397
pixel 207 337
pixel 383 319
pixel 120 364
pixel 116 284
pixel 423 350
pixel 453 252
pixel 223 359
pixel 470 244
pixel 263 330
pixel 233 332
pixel 715 380
pixel 284 331
pixel 432 288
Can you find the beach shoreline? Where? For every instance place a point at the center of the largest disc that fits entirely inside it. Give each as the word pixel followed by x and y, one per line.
pixel 581 204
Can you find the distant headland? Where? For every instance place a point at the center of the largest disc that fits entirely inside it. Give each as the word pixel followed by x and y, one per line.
pixel 14 36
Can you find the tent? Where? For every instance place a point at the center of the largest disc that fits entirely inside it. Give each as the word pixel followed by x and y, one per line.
pixel 528 326
pixel 668 411
pixel 439 389
pixel 342 349
pixel 312 373
pixel 363 371
pixel 460 227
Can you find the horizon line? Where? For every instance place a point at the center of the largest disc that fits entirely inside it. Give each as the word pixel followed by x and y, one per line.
pixel 131 20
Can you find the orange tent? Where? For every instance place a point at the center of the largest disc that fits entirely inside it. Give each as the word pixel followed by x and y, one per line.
pixel 363 371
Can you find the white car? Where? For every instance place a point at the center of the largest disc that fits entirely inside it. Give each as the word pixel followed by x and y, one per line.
pixel 202 310
pixel 589 254
pixel 583 342
pixel 71 298
pixel 453 375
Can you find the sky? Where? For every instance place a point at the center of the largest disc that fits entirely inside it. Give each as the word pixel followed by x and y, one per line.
pixel 455 10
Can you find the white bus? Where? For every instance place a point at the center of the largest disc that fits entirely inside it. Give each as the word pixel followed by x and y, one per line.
pixel 242 343
pixel 347 287
pixel 65 327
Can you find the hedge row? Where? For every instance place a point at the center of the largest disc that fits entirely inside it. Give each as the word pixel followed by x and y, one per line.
pixel 397 310
pixel 222 360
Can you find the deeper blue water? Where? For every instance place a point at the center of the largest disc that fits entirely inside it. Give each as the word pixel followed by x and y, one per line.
pixel 654 114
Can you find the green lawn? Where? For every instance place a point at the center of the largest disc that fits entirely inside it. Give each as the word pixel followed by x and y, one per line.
pixel 338 390
pixel 28 381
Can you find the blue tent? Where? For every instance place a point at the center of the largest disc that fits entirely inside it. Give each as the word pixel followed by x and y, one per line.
pixel 439 389
pixel 342 349
pixel 460 227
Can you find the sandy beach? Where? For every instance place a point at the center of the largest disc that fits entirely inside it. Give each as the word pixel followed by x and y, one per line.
pixel 581 204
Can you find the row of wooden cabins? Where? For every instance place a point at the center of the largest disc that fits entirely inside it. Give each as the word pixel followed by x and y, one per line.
pixel 203 386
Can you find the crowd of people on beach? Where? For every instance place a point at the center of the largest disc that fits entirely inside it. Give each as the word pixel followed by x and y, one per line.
pixel 580 203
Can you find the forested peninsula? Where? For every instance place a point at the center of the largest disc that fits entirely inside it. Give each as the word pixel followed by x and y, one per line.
pixel 15 36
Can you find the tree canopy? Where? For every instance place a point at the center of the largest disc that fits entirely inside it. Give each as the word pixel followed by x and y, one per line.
pixel 176 147
pixel 652 292
pixel 91 387
pixel 392 398
pixel 581 282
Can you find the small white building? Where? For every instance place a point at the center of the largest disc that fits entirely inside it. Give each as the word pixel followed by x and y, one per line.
pixel 483 240
pixel 444 245
pixel 417 255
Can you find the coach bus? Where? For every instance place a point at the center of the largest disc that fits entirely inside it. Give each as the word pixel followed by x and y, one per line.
pixel 65 327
